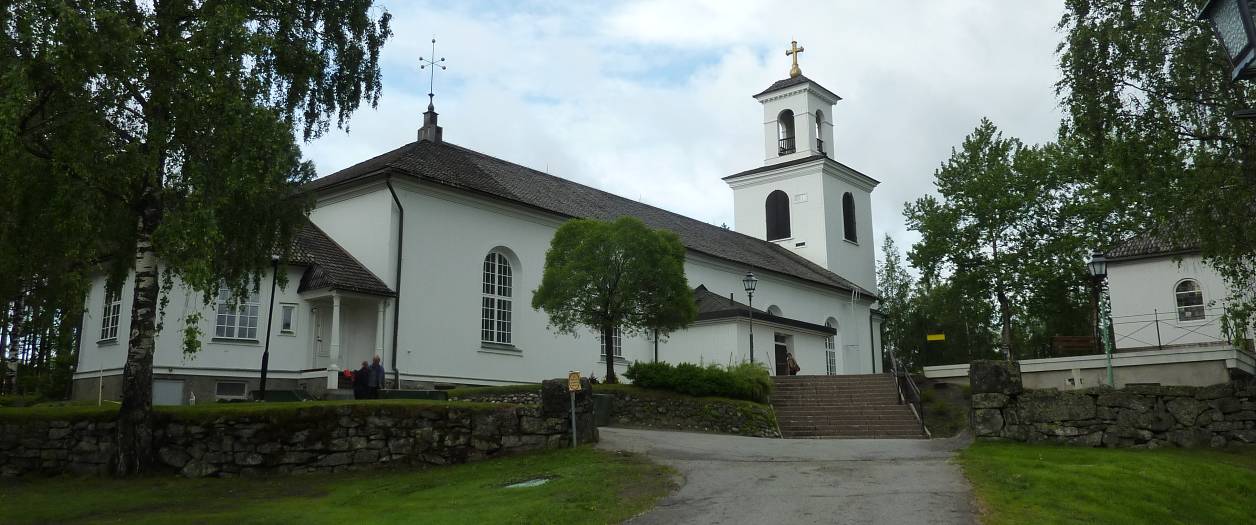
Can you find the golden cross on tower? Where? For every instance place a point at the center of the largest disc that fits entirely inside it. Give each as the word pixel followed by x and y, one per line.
pixel 793 51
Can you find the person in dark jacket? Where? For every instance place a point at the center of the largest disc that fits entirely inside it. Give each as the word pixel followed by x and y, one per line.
pixel 360 379
pixel 376 381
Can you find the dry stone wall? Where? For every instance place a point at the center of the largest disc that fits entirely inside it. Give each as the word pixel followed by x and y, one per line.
pixel 632 407
pixel 1134 416
pixel 313 438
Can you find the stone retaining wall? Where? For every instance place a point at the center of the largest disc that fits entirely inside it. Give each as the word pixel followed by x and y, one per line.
pixel 634 408
pixel 1134 416
pixel 311 437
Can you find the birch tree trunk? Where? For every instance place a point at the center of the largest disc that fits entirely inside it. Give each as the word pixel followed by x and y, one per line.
pixel 135 429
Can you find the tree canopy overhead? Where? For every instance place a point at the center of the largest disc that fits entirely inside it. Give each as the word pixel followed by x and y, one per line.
pixel 165 132
pixel 618 275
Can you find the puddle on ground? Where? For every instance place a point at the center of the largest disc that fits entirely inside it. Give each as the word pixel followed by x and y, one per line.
pixel 529 483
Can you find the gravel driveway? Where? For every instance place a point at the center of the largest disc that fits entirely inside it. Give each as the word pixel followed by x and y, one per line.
pixel 733 479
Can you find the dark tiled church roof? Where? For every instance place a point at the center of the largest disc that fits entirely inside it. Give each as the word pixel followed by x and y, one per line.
pixel 715 306
pixel 329 266
pixel 794 81
pixel 1150 244
pixel 468 170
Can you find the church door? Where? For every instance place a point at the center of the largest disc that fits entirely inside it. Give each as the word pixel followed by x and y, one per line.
pixel 319 337
pixel 782 348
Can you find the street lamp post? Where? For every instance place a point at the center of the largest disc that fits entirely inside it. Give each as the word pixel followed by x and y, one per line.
pixel 749 282
pixel 1098 268
pixel 1234 27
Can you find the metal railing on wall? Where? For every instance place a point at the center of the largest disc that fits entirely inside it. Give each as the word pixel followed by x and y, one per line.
pixel 1168 328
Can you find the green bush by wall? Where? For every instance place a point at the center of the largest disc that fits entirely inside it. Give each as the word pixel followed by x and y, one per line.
pixel 746 381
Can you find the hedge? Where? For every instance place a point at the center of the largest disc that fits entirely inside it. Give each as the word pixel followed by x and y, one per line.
pixel 743 381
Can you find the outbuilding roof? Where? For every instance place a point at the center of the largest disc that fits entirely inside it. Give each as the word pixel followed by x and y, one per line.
pixel 330 266
pixel 714 306
pixel 457 167
pixel 1150 244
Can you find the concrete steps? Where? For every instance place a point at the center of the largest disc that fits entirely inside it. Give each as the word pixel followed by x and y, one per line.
pixel 845 406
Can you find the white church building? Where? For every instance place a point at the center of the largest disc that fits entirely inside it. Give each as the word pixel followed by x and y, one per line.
pixel 427 256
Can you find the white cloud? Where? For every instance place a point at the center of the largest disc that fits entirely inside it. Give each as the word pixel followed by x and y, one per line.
pixel 652 99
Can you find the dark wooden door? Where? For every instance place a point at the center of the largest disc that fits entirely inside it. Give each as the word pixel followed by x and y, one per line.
pixel 782 348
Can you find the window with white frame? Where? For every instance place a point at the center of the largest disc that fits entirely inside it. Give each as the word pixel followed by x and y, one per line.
pixel 830 361
pixel 495 302
pixel 110 316
pixel 287 319
pixel 617 344
pixel 1190 300
pixel 237 317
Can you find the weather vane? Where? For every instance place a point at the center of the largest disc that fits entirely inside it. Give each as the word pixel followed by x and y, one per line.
pixel 431 63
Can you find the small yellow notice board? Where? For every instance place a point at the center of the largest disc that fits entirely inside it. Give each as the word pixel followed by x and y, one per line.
pixel 935 337
pixel 573 381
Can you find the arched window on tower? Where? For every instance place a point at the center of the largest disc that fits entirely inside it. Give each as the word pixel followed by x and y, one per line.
pixel 819 131
pixel 776 209
pixel 785 133
pixel 848 217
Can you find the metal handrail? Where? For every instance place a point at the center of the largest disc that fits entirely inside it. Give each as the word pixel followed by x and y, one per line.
pixel 902 375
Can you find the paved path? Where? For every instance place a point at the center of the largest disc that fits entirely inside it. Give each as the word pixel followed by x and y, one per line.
pixel 733 479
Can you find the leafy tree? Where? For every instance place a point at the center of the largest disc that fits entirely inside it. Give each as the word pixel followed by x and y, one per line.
pixel 163 134
pixel 1149 105
pixel 896 303
pixel 615 275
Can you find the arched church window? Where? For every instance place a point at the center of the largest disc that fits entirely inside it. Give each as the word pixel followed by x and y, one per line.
pixel 829 343
pixel 819 131
pixel 495 301
pixel 848 217
pixel 785 133
pixel 830 348
pixel 776 209
pixel 1190 300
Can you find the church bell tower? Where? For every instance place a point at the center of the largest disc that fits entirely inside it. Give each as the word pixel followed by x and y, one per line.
pixel 801 198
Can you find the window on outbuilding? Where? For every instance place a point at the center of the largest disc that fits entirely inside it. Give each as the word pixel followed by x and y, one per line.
pixel 776 209
pixel 1190 300
pixel 495 303
pixel 237 317
pixel 110 316
pixel 848 217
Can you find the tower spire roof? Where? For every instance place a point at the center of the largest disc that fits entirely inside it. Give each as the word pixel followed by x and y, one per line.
pixel 430 130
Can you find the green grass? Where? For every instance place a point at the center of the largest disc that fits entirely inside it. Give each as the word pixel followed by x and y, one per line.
pixel 1019 483
pixel 587 486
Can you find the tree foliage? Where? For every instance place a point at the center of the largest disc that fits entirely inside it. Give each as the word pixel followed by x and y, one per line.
pixel 615 275
pixel 159 137
pixel 1149 103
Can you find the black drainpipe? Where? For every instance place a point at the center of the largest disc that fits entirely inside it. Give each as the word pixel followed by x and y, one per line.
pixel 401 225
pixel 871 341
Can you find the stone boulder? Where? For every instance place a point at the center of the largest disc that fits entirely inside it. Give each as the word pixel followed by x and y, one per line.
pixel 989 377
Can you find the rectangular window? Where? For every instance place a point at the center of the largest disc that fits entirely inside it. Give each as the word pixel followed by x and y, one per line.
pixel 236 318
pixel 288 319
pixel 111 314
pixel 617 343
pixel 230 390
pixel 830 360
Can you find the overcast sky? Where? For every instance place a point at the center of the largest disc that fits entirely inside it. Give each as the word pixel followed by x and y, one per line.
pixel 652 100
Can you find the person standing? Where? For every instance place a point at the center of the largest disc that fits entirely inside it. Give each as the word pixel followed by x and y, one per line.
pixel 376 380
pixel 792 364
pixel 360 379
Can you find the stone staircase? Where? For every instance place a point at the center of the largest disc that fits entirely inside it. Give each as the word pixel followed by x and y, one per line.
pixel 842 406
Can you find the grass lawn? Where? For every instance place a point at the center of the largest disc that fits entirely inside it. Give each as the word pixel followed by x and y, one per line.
pixel 587 486
pixel 1018 483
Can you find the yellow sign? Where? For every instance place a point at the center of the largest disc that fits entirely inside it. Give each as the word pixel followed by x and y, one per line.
pixel 573 381
pixel 935 337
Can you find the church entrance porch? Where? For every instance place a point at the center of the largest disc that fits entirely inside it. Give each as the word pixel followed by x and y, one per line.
pixel 345 330
pixel 782 343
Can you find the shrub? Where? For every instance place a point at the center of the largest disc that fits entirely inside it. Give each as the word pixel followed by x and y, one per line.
pixel 741 381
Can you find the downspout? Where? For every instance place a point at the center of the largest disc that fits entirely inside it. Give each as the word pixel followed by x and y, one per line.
pixel 872 348
pixel 401 225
